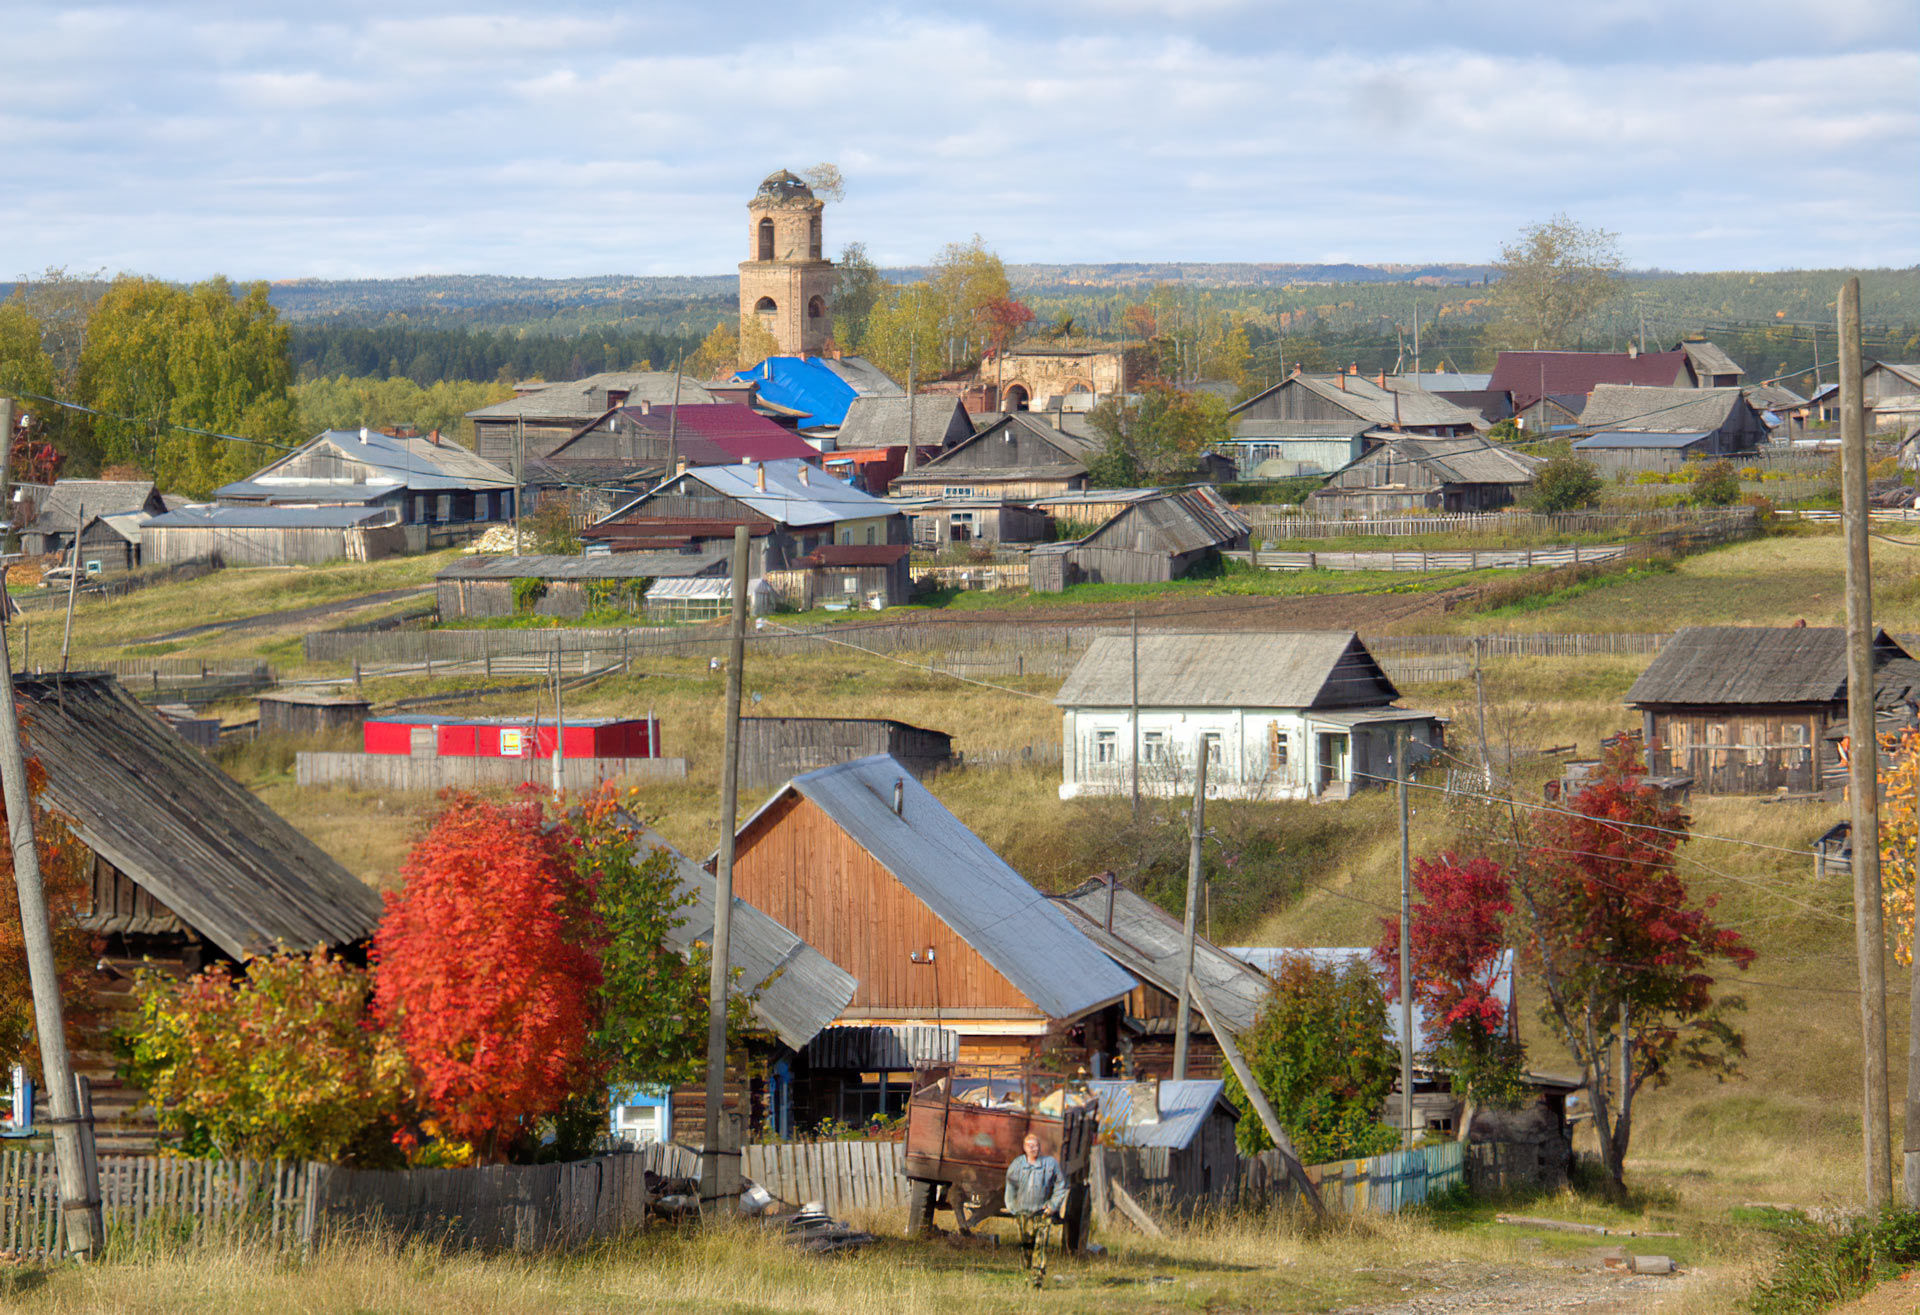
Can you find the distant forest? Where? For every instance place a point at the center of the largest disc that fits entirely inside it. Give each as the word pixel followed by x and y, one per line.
pixel 429 355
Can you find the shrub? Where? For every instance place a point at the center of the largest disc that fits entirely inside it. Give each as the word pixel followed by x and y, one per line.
pixel 1716 484
pixel 527 593
pixel 1563 484
pixel 1820 1268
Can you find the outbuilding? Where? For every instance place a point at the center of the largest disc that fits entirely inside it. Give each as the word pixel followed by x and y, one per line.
pixel 273 536
pixel 1169 1144
pixel 774 750
pixel 563 586
pixel 310 712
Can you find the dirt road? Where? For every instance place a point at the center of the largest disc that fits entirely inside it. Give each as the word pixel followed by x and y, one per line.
pixel 292 616
pixel 1535 1290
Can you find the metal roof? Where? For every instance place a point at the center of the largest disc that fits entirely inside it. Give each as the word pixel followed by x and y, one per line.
pixel 342 493
pixel 1366 400
pixel 613 566
pixel 1185 1107
pixel 1642 438
pixel 849 1045
pixel 706 435
pixel 274 518
pixel 791 988
pixel 1015 928
pixel 787 499
pixel 1151 944
pixel 183 830
pixel 582 399
pixel 1741 665
pixel 1234 669
pixel 1531 375
pixel 1440 383
pixel 711 586
pixel 1269 960
pixel 413 462
pixel 1663 410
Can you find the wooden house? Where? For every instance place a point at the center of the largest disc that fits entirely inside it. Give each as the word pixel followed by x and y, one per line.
pixel 1307 715
pixel 1283 449
pixel 863 863
pixel 543 415
pixel 185 867
pixel 491 586
pixel 1170 1145
pixel 1019 456
pixel 1747 709
pixel 854 575
pixel 1352 403
pixel 1164 537
pixel 938 523
pixel 109 545
pixel 774 750
pixel 422 479
pixel 1632 428
pixel 936 423
pixel 1892 393
pixel 1149 943
pixel 1708 365
pixel 51 529
pixel 1412 474
pixel 642 438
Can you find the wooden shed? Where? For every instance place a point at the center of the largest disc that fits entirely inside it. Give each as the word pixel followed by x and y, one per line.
pixel 847 576
pixel 304 712
pixel 564 586
pixel 51 529
pixel 1407 474
pixel 1169 1144
pixel 273 536
pixel 1164 537
pixel 1747 709
pixel 774 750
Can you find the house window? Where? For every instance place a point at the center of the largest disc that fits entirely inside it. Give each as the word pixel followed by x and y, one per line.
pixel 956 491
pixel 1210 742
pixel 870 533
pixel 1153 746
pixel 1279 745
pixel 846 538
pixel 1103 746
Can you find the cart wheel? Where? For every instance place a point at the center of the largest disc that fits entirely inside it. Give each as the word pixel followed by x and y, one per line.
pixel 920 1200
pixel 1079 1214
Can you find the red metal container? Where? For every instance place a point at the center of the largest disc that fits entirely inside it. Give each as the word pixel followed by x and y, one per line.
pixel 499 737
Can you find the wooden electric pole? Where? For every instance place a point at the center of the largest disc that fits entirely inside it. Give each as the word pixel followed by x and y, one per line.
pixel 519 476
pixel 1184 1022
pixel 1864 758
pixel 716 1182
pixel 6 471
pixel 1480 699
pixel 673 422
pixel 73 582
pixel 72 1139
pixel 1406 943
pixel 1134 715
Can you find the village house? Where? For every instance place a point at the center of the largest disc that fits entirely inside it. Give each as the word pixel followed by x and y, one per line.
pixel 1166 536
pixel 1892 394
pixel 1150 944
pixel 1636 428
pixel 1350 404
pixel 543 415
pixel 1283 449
pixel 424 480
pixel 957 957
pixel 1550 389
pixel 1018 457
pixel 52 527
pixel 805 507
pixel 1406 474
pixel 1306 715
pixel 1469 392
pixel 1708 366
pixel 656 440
pixel 184 866
pixel 1747 709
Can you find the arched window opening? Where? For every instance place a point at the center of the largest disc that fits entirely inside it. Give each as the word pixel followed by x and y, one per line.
pixel 764 306
pixel 1015 399
pixel 766 239
pixel 813 237
pixel 816 308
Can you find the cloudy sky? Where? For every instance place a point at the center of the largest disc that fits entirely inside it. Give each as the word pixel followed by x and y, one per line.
pixel 354 139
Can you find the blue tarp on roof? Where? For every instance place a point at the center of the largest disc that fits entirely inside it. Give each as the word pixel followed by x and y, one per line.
pixel 802 385
pixel 1639 438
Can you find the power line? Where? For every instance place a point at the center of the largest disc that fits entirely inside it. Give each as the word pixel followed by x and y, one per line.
pixel 163 424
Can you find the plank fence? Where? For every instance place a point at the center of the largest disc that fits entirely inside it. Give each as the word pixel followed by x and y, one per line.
pixel 1378 1184
pixel 1470 559
pixel 1278 523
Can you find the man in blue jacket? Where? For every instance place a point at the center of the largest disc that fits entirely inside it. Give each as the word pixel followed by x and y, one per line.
pixel 1036 1197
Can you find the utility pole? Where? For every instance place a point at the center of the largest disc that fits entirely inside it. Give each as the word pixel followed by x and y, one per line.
pixel 716 1183
pixel 559 724
pixel 1418 382
pixel 519 476
pixel 1480 698
pixel 1643 330
pixel 1134 718
pixel 1184 1024
pixel 673 422
pixel 72 1139
pixel 73 581
pixel 6 469
pixel 1863 758
pixel 1406 943
pixel 912 460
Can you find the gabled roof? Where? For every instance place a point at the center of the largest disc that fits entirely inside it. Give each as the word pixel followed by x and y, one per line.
pixel 1775 397
pixel 708 434
pixel 819 388
pixel 1743 665
pixel 1659 410
pixel 1367 401
pixel 882 421
pixel 1907 371
pixel 787 499
pixel 1151 944
pixel 1708 360
pixel 1445 382
pixel 100 497
pixel 1074 442
pixel 1185 1106
pixel 1020 934
pixel 183 830
pixel 1234 669
pixel 413 462
pixel 582 399
pixel 1529 375
pixel 1181 521
pixel 1469 459
pixel 791 988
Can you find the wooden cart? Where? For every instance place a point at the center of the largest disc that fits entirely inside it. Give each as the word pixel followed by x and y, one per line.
pixel 967 1123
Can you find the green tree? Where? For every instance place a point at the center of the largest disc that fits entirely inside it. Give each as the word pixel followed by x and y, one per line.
pixel 1563 484
pixel 341 402
pixel 905 328
pixel 25 366
pixel 757 342
pixel 551 528
pixel 857 289
pixel 123 368
pixel 1319 1051
pixel 1157 438
pixel 967 279
pixel 1716 484
pixel 1552 276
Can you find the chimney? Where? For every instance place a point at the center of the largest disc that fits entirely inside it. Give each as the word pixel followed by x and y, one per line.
pixel 363 433
pixel 760 478
pixel 1296 371
pixel 1383 381
pixel 899 797
pixel 804 469
pixel 1633 351
pixel 803 356
pixel 646 407
pixel 433 437
pixel 1343 383
pixel 680 467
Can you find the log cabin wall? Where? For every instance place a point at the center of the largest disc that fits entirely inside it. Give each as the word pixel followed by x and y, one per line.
pixel 1743 750
pixel 800 868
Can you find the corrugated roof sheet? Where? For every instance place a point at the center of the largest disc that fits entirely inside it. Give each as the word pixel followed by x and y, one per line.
pixel 1531 375
pixel 1185 1107
pixel 1620 438
pixel 1234 669
pixel 1151 944
pixel 1661 410
pixel 413 462
pixel 583 399
pixel 711 434
pixel 849 1045
pixel 820 499
pixel 614 566
pixel 1440 383
pixel 882 421
pixel 1269 959
pixel 791 988
pixel 968 886
pixel 1741 665
pixel 189 834
pixel 342 494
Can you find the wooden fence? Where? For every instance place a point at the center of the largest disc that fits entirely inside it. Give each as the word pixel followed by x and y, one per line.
pixel 399 771
pixel 1472 559
pixel 1270 523
pixel 990 575
pixel 1382 1184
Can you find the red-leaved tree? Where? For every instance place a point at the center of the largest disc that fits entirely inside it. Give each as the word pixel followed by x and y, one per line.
pixel 1459 935
pixel 1624 948
pixel 63 879
pixel 487 968
pixel 1002 320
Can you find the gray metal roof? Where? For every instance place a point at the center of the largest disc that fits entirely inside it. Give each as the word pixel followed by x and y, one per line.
pixel 414 462
pixel 1269 960
pixel 186 832
pixel 1015 928
pixel 1707 359
pixel 787 499
pixel 1363 398
pixel 319 491
pixel 583 399
pixel 882 421
pixel 1642 438
pixel 56 508
pixel 612 566
pixel 849 1045
pixel 1743 665
pixel 1440 383
pixel 1664 410
pixel 1151 944
pixel 273 518
pixel 1185 1107
pixel 792 988
pixel 1234 669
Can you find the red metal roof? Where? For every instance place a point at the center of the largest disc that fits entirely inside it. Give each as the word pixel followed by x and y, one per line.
pixel 680 527
pixel 721 434
pixel 856 554
pixel 1532 375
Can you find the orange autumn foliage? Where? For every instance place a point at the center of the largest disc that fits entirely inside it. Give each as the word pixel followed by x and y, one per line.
pixel 63 876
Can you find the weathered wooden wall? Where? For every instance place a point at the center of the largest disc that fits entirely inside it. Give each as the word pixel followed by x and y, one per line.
pixel 1742 751
pixel 774 750
pixel 404 772
pixel 292 546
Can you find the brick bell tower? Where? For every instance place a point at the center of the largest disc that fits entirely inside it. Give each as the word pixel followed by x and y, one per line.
pixel 784 283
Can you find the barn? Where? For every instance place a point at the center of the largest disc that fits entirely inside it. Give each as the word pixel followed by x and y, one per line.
pixel 309 712
pixel 1408 474
pixel 1164 537
pixel 273 536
